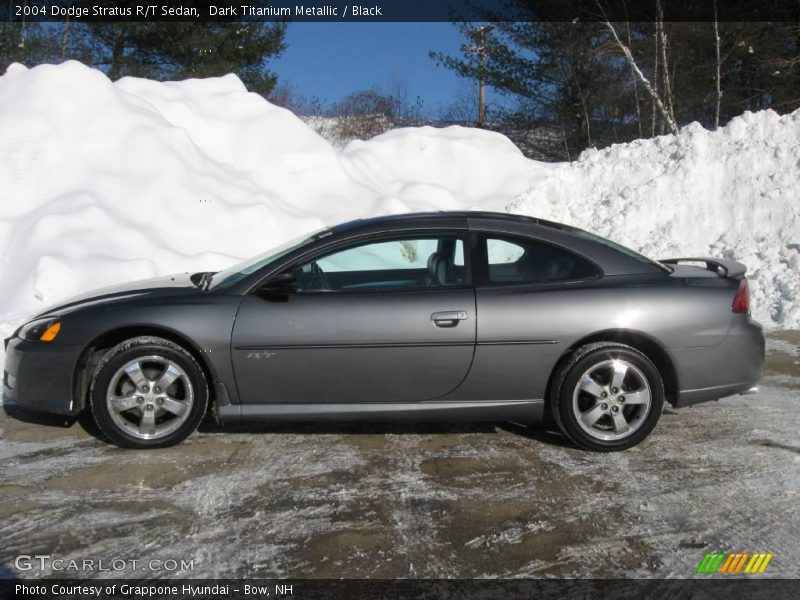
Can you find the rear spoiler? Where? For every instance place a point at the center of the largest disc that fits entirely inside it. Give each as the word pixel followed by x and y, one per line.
pixel 730 269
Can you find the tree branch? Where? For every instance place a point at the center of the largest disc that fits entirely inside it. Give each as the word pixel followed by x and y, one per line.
pixel 668 117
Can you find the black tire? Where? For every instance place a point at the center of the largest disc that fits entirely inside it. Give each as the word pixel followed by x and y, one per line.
pixel 192 382
pixel 566 398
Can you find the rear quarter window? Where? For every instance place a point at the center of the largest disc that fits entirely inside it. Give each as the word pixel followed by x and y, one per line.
pixel 520 261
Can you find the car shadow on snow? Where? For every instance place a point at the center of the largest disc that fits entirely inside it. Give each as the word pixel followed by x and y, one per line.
pixel 537 432
pixel 346 427
pixel 26 415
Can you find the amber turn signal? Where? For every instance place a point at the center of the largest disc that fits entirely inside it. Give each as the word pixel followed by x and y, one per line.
pixel 51 332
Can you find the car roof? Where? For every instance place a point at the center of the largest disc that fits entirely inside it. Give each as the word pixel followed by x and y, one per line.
pixel 612 260
pixel 391 221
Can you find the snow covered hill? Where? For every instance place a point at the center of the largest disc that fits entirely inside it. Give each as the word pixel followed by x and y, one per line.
pixel 105 182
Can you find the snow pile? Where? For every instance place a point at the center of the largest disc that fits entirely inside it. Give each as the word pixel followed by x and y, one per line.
pixel 105 182
pixel 734 193
pixel 426 168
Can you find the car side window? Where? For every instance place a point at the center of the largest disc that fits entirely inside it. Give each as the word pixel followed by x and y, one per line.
pixel 520 260
pixel 397 264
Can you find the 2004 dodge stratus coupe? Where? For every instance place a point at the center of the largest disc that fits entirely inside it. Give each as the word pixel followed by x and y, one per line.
pixel 443 316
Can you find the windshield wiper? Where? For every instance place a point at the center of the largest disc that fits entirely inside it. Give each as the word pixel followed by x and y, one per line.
pixel 203 280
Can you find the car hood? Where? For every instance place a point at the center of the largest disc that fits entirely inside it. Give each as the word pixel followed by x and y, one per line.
pixel 168 285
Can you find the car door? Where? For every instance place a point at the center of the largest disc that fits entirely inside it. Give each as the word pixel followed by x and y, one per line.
pixel 528 294
pixel 390 319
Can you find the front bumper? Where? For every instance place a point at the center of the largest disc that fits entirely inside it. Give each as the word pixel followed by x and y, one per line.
pixel 713 372
pixel 39 376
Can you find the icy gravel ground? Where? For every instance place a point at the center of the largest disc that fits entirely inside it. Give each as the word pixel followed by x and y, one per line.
pixel 317 500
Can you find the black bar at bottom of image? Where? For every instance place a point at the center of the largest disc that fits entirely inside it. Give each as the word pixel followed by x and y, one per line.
pixel 394 589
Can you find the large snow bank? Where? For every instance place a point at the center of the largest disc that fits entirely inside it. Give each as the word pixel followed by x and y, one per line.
pixel 733 193
pixel 105 182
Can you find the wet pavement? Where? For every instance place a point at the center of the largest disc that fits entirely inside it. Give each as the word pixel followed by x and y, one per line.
pixel 381 501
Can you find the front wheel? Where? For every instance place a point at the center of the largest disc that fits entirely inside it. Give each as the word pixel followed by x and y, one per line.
pixel 607 397
pixel 148 392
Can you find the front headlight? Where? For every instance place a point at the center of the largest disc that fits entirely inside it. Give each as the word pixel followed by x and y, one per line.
pixel 40 330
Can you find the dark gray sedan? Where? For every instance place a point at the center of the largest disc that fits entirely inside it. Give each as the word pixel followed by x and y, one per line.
pixel 440 316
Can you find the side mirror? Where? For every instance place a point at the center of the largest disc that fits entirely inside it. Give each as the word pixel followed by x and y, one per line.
pixel 279 286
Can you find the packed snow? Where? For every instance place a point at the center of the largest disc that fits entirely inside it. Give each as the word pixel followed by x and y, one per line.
pixel 107 181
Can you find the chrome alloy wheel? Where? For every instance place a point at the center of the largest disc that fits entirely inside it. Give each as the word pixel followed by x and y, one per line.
pixel 611 400
pixel 150 397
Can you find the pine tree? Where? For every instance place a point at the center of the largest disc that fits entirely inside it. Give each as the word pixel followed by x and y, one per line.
pixel 577 78
pixel 164 51
pixel 184 50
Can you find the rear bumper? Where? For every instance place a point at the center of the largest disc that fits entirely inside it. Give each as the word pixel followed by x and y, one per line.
pixel 713 372
pixel 39 376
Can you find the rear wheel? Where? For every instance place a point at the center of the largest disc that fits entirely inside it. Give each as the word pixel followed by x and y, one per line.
pixel 148 392
pixel 607 397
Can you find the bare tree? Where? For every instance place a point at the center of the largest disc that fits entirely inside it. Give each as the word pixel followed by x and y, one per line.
pixel 407 110
pixel 635 84
pixel 666 114
pixel 585 110
pixel 669 102
pixel 364 114
pixel 285 94
pixel 65 39
pixel 717 43
pixel 655 83
pixel 461 109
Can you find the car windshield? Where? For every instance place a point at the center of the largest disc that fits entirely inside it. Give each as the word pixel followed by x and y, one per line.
pixel 619 247
pixel 249 266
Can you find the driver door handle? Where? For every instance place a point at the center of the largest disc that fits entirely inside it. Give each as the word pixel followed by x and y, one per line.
pixel 448 318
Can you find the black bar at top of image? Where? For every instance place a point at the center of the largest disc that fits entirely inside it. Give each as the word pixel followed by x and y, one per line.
pixel 400 589
pixel 396 10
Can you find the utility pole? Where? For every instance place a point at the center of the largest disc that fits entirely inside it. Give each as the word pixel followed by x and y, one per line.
pixel 479 35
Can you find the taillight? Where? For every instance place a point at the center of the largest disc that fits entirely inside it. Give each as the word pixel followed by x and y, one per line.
pixel 741 301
